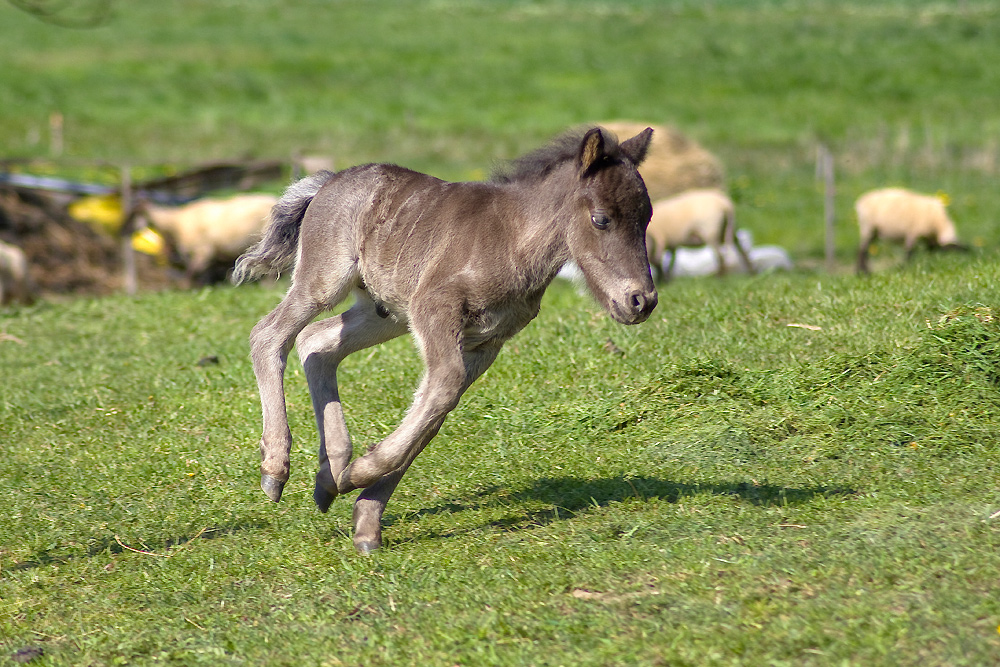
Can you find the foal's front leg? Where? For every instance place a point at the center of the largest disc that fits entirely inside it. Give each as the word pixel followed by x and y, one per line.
pixel 436 396
pixel 437 323
pixel 371 502
pixel 322 346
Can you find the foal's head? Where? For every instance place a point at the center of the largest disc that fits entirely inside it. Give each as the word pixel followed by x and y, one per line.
pixel 607 237
pixel 606 232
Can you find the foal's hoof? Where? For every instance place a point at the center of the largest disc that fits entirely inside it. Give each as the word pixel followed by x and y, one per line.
pixel 272 486
pixel 323 498
pixel 366 546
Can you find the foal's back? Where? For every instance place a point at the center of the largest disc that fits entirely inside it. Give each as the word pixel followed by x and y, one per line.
pixel 406 231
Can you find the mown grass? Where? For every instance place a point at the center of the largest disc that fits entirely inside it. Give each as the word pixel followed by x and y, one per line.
pixel 712 487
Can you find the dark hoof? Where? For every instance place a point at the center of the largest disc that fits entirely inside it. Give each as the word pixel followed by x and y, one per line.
pixel 272 486
pixel 323 498
pixel 366 547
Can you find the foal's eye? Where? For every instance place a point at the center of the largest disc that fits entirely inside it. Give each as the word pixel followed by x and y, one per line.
pixel 600 220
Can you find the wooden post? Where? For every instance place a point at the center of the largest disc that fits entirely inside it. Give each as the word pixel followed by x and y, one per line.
pixel 824 170
pixel 130 281
pixel 55 134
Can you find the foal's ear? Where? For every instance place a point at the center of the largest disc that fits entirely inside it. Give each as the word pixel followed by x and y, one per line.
pixel 637 147
pixel 591 151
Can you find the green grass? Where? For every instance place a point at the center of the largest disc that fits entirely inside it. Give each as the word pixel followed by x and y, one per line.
pixel 791 469
pixel 360 78
pixel 902 92
pixel 712 487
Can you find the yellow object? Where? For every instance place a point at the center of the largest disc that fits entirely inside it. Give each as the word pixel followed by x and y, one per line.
pixel 943 196
pixel 148 241
pixel 103 211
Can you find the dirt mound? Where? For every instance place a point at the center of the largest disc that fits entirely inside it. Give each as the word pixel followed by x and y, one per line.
pixel 67 256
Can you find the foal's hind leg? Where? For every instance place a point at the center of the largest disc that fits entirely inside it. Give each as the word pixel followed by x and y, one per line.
pixel 270 342
pixel 322 346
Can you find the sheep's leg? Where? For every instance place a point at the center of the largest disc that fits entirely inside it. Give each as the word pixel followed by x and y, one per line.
pixel 368 508
pixel 910 246
pixel 322 346
pixel 744 256
pixel 669 271
pixel 720 259
pixel 863 247
pixel 198 264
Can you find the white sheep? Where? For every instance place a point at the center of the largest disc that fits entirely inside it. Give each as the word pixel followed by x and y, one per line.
pixel 15 280
pixel 208 234
pixel 897 214
pixel 693 218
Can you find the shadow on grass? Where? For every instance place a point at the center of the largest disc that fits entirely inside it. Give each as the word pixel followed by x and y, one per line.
pixel 572 493
pixel 567 496
pixel 114 545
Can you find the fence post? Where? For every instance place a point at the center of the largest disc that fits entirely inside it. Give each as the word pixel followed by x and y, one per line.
pixel 130 280
pixel 56 134
pixel 824 170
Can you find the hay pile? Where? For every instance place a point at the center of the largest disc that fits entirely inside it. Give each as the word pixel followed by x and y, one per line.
pixel 674 163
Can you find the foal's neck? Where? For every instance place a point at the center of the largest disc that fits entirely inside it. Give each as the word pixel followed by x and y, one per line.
pixel 546 210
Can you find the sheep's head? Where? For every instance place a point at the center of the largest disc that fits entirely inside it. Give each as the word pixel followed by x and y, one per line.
pixel 946 234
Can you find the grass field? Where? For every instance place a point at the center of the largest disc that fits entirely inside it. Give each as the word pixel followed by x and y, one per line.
pixel 717 486
pixel 787 469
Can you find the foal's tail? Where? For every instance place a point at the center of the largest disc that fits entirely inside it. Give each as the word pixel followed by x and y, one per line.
pixel 277 250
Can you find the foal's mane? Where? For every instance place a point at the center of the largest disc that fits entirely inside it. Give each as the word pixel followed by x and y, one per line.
pixel 537 164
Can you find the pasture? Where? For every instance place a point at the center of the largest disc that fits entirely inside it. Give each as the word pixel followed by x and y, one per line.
pixel 714 486
pixel 785 469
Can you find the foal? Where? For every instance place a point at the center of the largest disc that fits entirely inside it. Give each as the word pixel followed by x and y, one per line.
pixel 461 266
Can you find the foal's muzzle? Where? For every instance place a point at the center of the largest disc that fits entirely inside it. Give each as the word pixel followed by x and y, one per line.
pixel 637 306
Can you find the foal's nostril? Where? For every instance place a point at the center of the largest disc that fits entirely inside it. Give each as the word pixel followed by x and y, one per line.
pixel 638 302
pixel 643 302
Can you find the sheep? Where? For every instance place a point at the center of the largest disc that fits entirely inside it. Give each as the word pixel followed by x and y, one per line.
pixel 693 218
pixel 897 214
pixel 209 234
pixel 15 280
